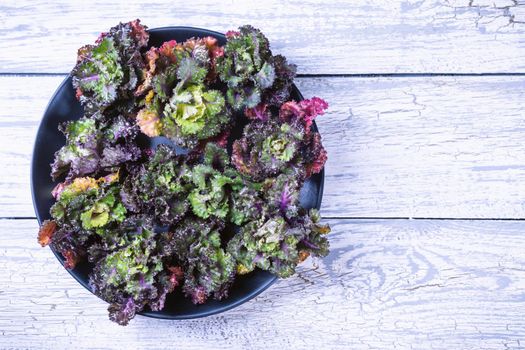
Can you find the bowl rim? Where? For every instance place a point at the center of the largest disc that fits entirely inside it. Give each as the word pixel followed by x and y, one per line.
pixel 76 275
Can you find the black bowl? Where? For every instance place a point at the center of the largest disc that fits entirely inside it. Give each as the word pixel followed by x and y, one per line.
pixel 63 107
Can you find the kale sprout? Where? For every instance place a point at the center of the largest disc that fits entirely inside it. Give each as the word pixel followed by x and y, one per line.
pixel 210 194
pixel 266 149
pixel 252 73
pixel 269 145
pixel 194 113
pixel 94 145
pixel 210 269
pixel 132 277
pixel 109 71
pixel 255 202
pixel 279 245
pixel 158 188
pixel 83 211
pixel 178 103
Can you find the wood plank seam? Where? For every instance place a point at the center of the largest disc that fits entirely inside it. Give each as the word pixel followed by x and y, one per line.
pixel 443 285
pixel 326 75
pixel 363 36
pixel 379 132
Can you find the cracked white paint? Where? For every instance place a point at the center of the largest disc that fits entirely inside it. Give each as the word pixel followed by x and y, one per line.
pixel 420 284
pixel 414 147
pixel 336 36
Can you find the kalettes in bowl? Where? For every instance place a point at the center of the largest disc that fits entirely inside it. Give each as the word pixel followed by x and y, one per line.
pixel 177 172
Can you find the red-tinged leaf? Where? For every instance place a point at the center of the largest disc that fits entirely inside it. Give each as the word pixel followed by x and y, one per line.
pixel 259 112
pixel 232 33
pixel 176 275
pixel 46 232
pixel 167 50
pixel 139 33
pixel 71 259
pixel 78 93
pixel 198 295
pixel 303 112
pixel 316 155
pixel 58 190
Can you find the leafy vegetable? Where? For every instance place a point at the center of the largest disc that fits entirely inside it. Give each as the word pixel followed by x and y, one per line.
pixel 178 103
pixel 132 277
pixel 157 187
pixel 84 209
pixel 278 246
pixel 93 145
pixel 253 75
pixel 210 269
pixel 267 149
pixel 271 145
pixel 110 70
pixel 194 114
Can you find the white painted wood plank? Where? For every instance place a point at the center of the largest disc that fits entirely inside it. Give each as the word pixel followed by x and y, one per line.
pixel 410 147
pixel 434 147
pixel 387 284
pixel 331 36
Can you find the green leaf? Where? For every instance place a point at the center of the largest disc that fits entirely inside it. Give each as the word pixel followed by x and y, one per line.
pixel 266 76
pixel 96 216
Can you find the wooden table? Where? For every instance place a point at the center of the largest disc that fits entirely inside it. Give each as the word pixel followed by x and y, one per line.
pixel 425 182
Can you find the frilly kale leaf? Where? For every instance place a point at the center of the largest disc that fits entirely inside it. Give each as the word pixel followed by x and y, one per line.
pixel 177 241
pixel 94 145
pixel 210 193
pixel 252 73
pixel 79 156
pixel 160 72
pixel 82 211
pixel 214 182
pixel 205 52
pixel 116 236
pixel 267 149
pixel 98 75
pixel 193 114
pixel 111 69
pixel 159 187
pixel 103 211
pixel 191 61
pixel 314 155
pixel 149 122
pixel 271 145
pixel 279 245
pixel 177 102
pixel 281 195
pixel 282 85
pixel 132 277
pixel 302 113
pixel 255 202
pixel 194 244
pixel 210 269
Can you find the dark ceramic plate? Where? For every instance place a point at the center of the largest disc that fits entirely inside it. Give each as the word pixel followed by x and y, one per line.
pixel 63 107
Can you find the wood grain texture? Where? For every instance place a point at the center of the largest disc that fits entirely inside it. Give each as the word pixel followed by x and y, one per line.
pixel 332 36
pixel 386 285
pixel 408 147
